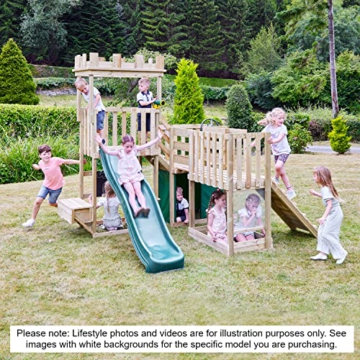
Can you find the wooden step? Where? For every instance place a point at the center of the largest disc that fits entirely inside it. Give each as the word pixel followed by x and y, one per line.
pixel 75 209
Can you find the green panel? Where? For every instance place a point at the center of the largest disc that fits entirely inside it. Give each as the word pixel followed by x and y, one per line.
pixel 206 192
pixel 164 185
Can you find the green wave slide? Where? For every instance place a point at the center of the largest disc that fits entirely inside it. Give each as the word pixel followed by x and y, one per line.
pixel 150 236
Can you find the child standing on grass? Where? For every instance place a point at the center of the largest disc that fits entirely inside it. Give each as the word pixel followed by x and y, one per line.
pixel 280 147
pixel 82 85
pixel 144 99
pixel 110 202
pixel 250 216
pixel 216 225
pixel 53 182
pixel 330 222
pixel 129 170
pixel 182 207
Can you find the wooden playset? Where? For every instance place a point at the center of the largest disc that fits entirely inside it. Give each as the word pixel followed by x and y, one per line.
pixel 219 157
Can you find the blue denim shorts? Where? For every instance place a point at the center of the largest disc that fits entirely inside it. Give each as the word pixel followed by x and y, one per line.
pixel 53 194
pixel 100 116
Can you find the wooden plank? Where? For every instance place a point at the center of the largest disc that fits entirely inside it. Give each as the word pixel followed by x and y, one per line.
pixel 205 239
pixel 214 159
pixel 115 129
pixel 230 196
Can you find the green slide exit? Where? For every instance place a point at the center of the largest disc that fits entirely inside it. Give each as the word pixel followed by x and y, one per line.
pixel 150 236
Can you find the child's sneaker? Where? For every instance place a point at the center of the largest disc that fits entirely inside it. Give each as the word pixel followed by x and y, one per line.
pixel 342 259
pixel 276 180
pixel 28 223
pixel 290 194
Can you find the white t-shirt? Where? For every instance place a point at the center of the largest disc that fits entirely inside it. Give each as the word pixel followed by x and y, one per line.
pixel 245 213
pixel 282 147
pixel 100 106
pixel 144 96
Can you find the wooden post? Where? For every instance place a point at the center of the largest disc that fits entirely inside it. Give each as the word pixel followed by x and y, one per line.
pixel 230 194
pixel 93 192
pixel 268 236
pixel 171 179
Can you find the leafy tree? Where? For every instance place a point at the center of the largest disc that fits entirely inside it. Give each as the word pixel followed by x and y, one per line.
pixel 16 83
pixel 42 30
pixel 339 141
pixel 188 101
pixel 238 108
pixel 347 31
pixel 301 81
pixel 10 19
pixel 264 52
pixel 317 8
pixel 260 89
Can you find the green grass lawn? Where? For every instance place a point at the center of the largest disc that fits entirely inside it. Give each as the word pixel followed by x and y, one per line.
pixel 57 274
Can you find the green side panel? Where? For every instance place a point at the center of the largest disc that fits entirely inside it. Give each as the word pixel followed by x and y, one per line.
pixel 164 185
pixel 206 192
pixel 150 236
pixel 202 194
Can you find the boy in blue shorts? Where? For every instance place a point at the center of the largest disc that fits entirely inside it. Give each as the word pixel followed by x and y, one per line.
pixel 53 182
pixel 83 87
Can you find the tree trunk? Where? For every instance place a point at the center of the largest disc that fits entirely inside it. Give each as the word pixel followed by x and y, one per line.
pixel 334 94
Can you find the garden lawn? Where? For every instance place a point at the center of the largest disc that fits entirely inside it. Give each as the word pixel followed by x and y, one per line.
pixel 57 274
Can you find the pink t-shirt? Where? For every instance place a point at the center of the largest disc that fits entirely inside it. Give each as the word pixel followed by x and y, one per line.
pixel 54 179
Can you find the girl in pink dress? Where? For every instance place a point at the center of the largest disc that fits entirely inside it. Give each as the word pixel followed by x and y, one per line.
pixel 216 225
pixel 129 170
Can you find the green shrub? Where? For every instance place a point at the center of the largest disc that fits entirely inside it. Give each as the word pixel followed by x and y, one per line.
pixel 339 141
pixel 16 83
pixel 188 101
pixel 45 71
pixel 21 121
pixel 17 157
pixel 238 108
pixel 299 137
pixel 260 90
pixel 214 93
pixel 298 118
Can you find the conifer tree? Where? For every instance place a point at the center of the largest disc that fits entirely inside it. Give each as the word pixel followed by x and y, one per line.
pixel 339 141
pixel 188 101
pixel 10 19
pixel 234 32
pixel 238 108
pixel 155 21
pixel 89 32
pixel 205 34
pixel 16 83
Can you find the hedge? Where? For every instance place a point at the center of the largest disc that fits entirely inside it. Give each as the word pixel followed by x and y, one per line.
pixel 23 121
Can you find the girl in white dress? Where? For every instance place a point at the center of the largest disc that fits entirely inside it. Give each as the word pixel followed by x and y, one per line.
pixel 330 222
pixel 129 170
pixel 110 202
pixel 216 225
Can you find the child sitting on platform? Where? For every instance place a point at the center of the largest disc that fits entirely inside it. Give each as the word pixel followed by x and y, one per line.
pixel 110 202
pixel 216 225
pixel 182 207
pixel 250 216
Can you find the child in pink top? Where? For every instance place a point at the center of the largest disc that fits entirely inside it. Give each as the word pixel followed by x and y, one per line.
pixel 129 170
pixel 53 182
